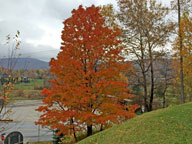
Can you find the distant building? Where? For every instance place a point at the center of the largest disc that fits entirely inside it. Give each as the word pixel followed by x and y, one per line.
pixel 24 79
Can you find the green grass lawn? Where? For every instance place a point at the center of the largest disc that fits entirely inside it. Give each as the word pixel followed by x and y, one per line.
pixel 29 86
pixel 172 125
pixel 26 91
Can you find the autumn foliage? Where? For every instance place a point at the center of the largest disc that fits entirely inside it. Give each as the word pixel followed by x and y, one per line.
pixel 186 53
pixel 87 89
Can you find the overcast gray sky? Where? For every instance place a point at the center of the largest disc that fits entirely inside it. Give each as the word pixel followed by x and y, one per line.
pixel 39 22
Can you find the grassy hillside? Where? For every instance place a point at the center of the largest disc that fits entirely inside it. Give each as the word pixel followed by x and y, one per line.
pixel 172 125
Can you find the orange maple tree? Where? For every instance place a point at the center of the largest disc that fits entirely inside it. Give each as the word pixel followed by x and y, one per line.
pixel 87 89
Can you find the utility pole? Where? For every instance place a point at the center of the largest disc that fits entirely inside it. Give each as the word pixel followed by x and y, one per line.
pixel 38 132
pixel 181 53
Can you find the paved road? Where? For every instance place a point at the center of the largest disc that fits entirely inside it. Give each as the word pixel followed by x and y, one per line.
pixel 24 115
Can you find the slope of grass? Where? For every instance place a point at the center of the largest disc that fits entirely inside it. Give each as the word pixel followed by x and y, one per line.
pixel 172 125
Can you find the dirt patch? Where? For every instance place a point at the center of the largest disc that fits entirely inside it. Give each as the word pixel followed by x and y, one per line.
pixel 26 94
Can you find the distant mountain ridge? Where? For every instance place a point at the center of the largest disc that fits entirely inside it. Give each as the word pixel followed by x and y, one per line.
pixel 32 63
pixel 25 63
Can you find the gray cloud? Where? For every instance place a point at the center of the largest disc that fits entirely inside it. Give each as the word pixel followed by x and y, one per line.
pixel 41 52
pixel 40 23
pixel 27 50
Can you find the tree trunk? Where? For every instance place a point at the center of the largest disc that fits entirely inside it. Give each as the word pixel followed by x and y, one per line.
pixel 89 130
pixel 101 128
pixel 75 137
pixel 181 54
pixel 164 92
pixel 145 91
pixel 74 132
pixel 164 101
pixel 144 75
pixel 152 91
pixel 152 81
